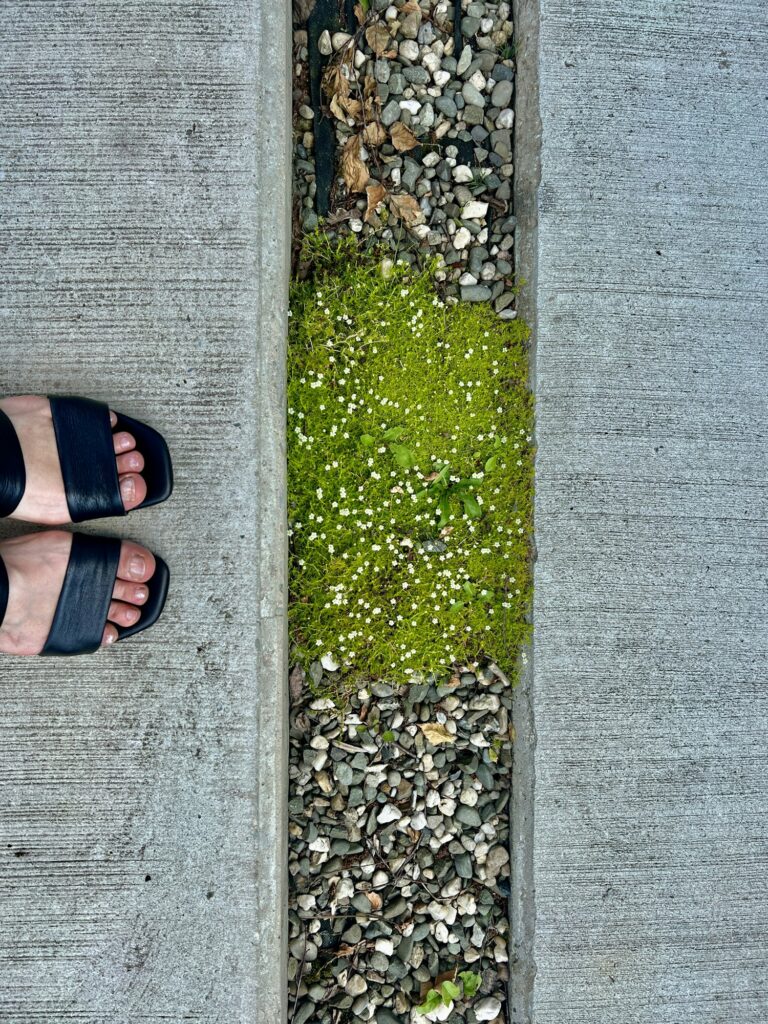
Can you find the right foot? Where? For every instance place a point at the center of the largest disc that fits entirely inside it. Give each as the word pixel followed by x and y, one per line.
pixel 36 566
pixel 45 500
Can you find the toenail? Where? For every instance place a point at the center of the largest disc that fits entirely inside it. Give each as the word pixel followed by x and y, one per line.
pixel 132 615
pixel 110 638
pixel 128 489
pixel 138 566
pixel 141 593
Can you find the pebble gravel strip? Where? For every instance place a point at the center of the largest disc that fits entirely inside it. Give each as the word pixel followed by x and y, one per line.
pixel 399 828
pixel 425 125
pixel 399 861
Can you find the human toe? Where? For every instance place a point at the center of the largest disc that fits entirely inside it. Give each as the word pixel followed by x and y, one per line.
pixel 131 462
pixel 133 490
pixel 137 564
pixel 109 635
pixel 123 442
pixel 132 593
pixel 123 614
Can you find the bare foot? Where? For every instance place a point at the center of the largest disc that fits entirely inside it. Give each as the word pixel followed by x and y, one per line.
pixel 45 501
pixel 36 566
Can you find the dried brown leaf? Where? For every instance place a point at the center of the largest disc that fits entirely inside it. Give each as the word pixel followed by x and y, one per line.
pixel 407 209
pixel 352 106
pixel 437 734
pixel 376 194
pixel 374 134
pixel 378 38
pixel 335 83
pixel 353 169
pixel 359 13
pixel 402 137
pixel 375 900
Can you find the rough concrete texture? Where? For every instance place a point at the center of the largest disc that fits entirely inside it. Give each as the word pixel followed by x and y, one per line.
pixel 650 826
pixel 144 196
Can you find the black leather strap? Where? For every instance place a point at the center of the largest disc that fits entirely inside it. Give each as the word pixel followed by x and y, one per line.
pixel 81 614
pixel 3 590
pixel 87 458
pixel 13 476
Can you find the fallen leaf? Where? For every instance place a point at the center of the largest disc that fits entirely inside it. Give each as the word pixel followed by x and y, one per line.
pixel 402 137
pixel 410 7
pixel 335 83
pixel 378 38
pixel 337 110
pixel 437 734
pixel 296 682
pixel 359 13
pixel 376 193
pixel 407 209
pixel 374 134
pixel 353 170
pixel 375 900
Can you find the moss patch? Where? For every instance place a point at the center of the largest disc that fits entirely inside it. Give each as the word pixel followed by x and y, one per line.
pixel 410 472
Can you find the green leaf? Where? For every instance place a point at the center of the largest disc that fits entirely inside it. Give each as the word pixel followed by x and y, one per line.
pixel 491 463
pixel 433 1000
pixel 469 589
pixel 388 736
pixel 445 511
pixel 394 433
pixel 403 456
pixel 367 440
pixel 471 982
pixel 471 506
pixel 456 606
pixel 442 476
pixel 449 992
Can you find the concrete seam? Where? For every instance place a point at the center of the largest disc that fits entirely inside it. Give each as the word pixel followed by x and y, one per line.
pixel 527 159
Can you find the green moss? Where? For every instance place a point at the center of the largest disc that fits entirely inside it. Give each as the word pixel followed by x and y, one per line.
pixel 410 472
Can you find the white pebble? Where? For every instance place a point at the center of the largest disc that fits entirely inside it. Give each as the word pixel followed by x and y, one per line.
pixel 487 1009
pixel 412 106
pixel 462 173
pixel 474 210
pixel 387 814
pixel 478 80
pixel 442 78
pixel 385 946
pixel 409 49
pixel 506 118
pixel 320 845
pixel 461 240
pixel 324 44
pixel 340 39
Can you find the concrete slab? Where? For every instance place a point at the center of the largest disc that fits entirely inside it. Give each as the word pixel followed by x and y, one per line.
pixel 145 199
pixel 646 252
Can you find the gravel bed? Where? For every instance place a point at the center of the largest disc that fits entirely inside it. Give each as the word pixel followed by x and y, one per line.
pixel 399 861
pixel 399 828
pixel 422 113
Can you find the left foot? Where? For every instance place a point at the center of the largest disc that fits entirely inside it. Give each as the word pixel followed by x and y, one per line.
pixel 45 501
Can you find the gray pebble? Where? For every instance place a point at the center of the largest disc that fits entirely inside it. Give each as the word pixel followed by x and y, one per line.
pixel 502 94
pixel 389 115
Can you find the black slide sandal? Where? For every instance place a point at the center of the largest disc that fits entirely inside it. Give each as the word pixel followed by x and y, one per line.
pixel 84 438
pixel 83 605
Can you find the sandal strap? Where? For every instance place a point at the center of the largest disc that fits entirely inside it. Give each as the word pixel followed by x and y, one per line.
pixel 87 458
pixel 3 590
pixel 83 606
pixel 13 476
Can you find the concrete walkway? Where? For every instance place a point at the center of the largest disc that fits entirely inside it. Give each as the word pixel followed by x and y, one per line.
pixel 144 205
pixel 645 247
